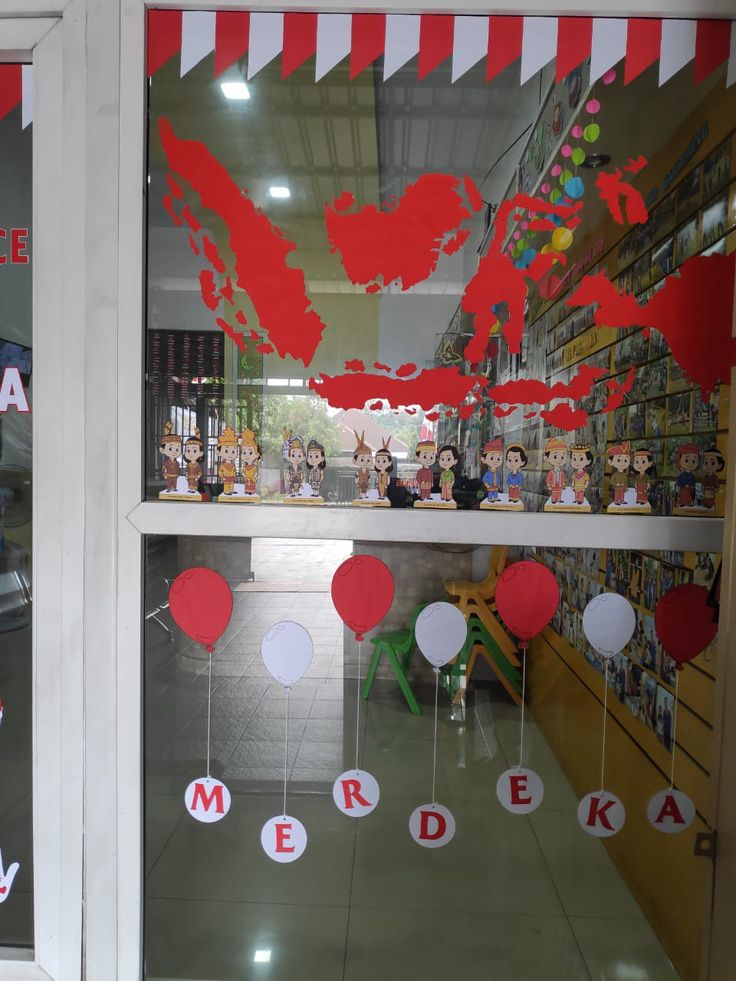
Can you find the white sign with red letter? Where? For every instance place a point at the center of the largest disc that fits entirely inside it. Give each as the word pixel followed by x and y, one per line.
pixel 283 838
pixel 6 878
pixel 207 799
pixel 519 790
pixel 670 811
pixel 432 825
pixel 601 814
pixel 356 793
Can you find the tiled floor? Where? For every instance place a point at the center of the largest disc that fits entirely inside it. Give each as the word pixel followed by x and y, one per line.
pixel 510 898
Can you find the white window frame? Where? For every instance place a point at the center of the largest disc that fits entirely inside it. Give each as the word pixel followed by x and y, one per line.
pixel 118 907
pixel 39 34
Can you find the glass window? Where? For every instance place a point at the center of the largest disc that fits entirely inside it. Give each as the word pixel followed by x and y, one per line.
pixel 16 826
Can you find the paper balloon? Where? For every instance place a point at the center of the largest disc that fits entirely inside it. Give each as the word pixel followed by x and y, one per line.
pixel 609 623
pixel 577 131
pixel 362 592
pixel 201 603
pixel 441 631
pixel 527 596
pixel 575 188
pixel 556 170
pixel 591 132
pixel 684 622
pixel 287 650
pixel 566 150
pixel 578 155
pixel 562 238
pixel 555 194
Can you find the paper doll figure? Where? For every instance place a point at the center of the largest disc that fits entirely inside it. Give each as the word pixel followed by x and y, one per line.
pixel 363 460
pixel 492 457
pixel 643 466
pixel 516 460
pixel 6 878
pixel 316 461
pixel 555 455
pixel 250 459
pixel 619 459
pixel 383 465
pixel 295 471
pixel 687 461
pixel 581 458
pixel 448 458
pixel 713 464
pixel 170 450
pixel 193 453
pixel 426 454
pixel 227 451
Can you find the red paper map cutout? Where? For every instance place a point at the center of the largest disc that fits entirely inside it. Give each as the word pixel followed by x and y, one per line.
pixel 402 244
pixel 693 311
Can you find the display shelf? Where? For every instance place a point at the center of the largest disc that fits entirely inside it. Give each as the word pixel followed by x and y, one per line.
pixel 403 525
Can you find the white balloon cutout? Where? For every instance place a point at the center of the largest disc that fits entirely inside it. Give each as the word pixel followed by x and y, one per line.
pixel 286 650
pixel 609 622
pixel 441 631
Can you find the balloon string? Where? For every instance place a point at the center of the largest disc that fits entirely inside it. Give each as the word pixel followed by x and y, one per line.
pixel 286 747
pixel 605 716
pixel 674 730
pixel 524 648
pixel 357 706
pixel 434 757
pixel 209 710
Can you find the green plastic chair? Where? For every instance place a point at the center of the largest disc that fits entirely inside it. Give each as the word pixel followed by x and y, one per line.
pixel 398 645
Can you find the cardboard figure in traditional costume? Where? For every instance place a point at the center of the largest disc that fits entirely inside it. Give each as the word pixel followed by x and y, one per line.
pixel 170 450
pixel 619 460
pixel 581 458
pixel 295 470
pixel 687 462
pixel 448 459
pixel 250 459
pixel 643 467
pixel 492 457
pixel 363 460
pixel 227 453
pixel 555 456
pixel 426 454
pixel 713 464
pixel 316 462
pixel 383 465
pixel 193 453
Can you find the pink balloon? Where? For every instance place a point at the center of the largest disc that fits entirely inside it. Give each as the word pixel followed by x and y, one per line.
pixel 566 150
pixel 545 188
pixel 609 77
pixel 524 225
pixel 517 234
pixel 577 131
pixel 593 106
pixel 556 170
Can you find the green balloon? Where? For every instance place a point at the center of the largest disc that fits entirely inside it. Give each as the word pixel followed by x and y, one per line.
pixel 565 176
pixel 577 156
pixel 516 252
pixel 555 195
pixel 531 234
pixel 521 244
pixel 591 132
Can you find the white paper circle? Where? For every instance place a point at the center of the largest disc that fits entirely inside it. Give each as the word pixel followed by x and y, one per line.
pixel 609 623
pixel 356 793
pixel 601 814
pixel 283 838
pixel 440 632
pixel 519 790
pixel 670 811
pixel 286 650
pixel 432 825
pixel 207 800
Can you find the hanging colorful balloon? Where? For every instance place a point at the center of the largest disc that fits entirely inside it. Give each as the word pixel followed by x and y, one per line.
pixel 684 622
pixel 609 623
pixel 591 132
pixel 527 596
pixel 578 155
pixel 201 603
pixel 362 592
pixel 575 188
pixel 562 239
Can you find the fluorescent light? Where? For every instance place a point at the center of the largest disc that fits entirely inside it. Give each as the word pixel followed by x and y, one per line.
pixel 262 957
pixel 235 90
pixel 279 192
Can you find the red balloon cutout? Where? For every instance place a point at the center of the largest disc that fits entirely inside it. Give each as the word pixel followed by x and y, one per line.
pixel 201 602
pixel 684 622
pixel 527 596
pixel 362 591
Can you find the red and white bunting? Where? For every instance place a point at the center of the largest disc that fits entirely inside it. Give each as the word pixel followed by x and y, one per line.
pixel 433 39
pixel 16 89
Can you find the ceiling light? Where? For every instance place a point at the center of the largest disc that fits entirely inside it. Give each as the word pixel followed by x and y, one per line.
pixel 262 957
pixel 235 90
pixel 279 192
pixel 595 160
